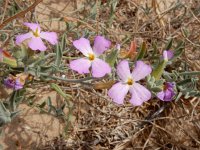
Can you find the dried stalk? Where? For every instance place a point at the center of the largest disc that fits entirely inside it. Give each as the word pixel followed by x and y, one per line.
pixel 20 14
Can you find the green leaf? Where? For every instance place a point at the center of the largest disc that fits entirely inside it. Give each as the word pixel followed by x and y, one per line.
pixel 156 89
pixel 63 42
pixel 59 112
pixel 155 49
pixel 4 115
pixel 62 107
pixel 169 44
pixel 14 114
pixel 112 57
pixel 112 11
pixel 179 49
pixel 142 52
pixel 185 32
pixel 24 52
pixel 10 61
pixel 16 98
pixel 12 100
pixel 42 105
pixel 58 55
pixel 59 91
pixel 49 103
pixel 178 96
pixel 171 77
pixel 1 147
pixel 157 73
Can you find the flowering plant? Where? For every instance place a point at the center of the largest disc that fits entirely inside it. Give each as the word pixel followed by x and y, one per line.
pixel 150 80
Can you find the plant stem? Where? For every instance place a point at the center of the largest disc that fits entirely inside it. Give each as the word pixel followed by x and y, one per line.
pixel 65 79
pixel 190 73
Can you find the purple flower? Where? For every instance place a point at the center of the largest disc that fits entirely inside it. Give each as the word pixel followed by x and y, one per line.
pixel 128 83
pixel 168 54
pixel 167 93
pixel 99 67
pixel 36 36
pixel 13 83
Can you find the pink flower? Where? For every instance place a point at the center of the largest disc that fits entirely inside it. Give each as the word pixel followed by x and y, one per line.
pixel 129 83
pixel 167 93
pixel 99 67
pixel 168 54
pixel 35 37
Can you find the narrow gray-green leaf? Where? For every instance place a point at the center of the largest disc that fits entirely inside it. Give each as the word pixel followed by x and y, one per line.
pixel 142 52
pixel 169 44
pixel 59 91
pixel 112 57
pixel 58 55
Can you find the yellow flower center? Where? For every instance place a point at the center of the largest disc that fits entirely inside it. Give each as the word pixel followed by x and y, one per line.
pixel 129 81
pixel 36 33
pixel 91 57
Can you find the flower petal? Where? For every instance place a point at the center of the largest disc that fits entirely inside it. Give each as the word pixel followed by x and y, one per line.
pixel 161 95
pixel 123 70
pixel 169 94
pixel 83 45
pixel 139 94
pixel 118 47
pixel 100 68
pixel 168 54
pixel 166 95
pixel 33 26
pixel 118 92
pixel 81 65
pixel 36 43
pixel 100 45
pixel 22 37
pixel 170 85
pixel 18 85
pixel 141 70
pixel 12 83
pixel 50 36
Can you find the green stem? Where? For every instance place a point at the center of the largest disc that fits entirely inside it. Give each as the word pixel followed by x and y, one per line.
pixel 65 79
